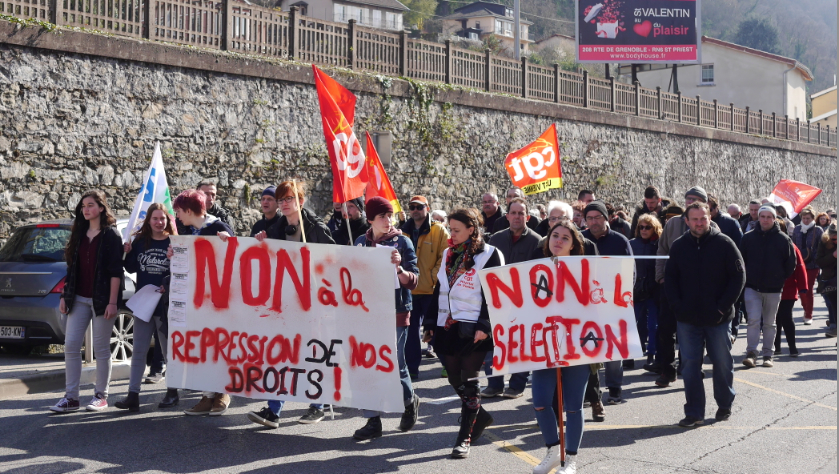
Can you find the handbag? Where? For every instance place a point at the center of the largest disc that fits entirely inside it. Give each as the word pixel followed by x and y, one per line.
pixel 826 286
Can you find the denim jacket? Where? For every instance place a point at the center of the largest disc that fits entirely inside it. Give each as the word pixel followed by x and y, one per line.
pixel 409 264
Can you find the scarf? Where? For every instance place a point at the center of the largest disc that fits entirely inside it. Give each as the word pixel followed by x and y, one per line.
pixel 456 260
pixel 806 228
pixel 391 233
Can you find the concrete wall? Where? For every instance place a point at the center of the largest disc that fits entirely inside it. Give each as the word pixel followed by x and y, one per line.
pixel 740 78
pixel 77 113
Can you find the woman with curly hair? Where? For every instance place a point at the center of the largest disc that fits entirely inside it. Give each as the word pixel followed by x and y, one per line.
pixel 459 320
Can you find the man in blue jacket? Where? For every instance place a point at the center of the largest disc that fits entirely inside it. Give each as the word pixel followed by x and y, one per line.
pixel 703 279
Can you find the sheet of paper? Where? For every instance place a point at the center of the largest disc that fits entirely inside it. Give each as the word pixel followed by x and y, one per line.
pixel 180 260
pixel 179 285
pixel 144 301
pixel 177 313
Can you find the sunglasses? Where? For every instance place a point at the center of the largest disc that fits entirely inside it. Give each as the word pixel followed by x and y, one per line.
pixel 833 216
pixel 645 227
pixel 416 207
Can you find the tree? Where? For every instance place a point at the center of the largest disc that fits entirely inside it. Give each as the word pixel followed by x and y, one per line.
pixel 420 10
pixel 758 34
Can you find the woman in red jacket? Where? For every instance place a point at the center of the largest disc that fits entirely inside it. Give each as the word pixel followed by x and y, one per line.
pixel 796 284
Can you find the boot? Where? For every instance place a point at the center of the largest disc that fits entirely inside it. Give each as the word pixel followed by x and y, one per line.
pixel 468 413
pixel 409 417
pixel 170 399
pixel 130 403
pixel 373 429
pixel 483 420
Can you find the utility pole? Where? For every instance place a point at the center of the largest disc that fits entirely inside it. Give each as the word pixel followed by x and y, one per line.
pixel 517 29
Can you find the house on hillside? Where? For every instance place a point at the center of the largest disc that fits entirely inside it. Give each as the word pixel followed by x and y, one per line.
pixel 478 20
pixel 824 107
pixel 556 42
pixel 384 14
pixel 746 77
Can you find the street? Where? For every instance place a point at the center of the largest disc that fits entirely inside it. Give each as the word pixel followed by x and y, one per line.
pixel 784 421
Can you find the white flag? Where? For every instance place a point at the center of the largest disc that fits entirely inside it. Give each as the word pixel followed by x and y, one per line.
pixel 155 189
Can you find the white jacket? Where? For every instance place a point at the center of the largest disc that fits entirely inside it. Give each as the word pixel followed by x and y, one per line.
pixel 463 301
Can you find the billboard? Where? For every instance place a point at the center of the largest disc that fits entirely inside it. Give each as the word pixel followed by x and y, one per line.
pixel 638 31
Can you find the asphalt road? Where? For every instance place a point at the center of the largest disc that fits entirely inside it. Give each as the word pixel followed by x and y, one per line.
pixel 784 421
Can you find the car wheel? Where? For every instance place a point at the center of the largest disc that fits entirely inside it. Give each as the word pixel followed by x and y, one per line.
pixel 122 338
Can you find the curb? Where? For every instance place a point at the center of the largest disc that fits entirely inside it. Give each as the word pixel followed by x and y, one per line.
pixel 53 380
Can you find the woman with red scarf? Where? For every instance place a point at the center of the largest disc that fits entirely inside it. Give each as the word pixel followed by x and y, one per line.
pixel 646 291
pixel 459 320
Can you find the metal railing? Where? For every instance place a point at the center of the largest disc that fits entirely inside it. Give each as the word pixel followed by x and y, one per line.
pixel 232 25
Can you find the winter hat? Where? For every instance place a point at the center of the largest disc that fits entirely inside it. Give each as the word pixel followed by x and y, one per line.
pixel 698 192
pixel 378 205
pixel 598 206
pixel 359 203
pixel 769 208
pixel 270 191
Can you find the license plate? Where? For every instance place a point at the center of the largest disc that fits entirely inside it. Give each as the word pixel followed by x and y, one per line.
pixel 12 332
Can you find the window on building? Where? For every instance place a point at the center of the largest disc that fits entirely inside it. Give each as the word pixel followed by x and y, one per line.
pixel 473 36
pixel 707 74
pixel 477 25
pixel 499 29
pixel 508 28
pixel 340 13
pixel 377 18
pixel 399 21
pixel 508 12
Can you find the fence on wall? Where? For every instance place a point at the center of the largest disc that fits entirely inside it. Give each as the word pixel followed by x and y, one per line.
pixel 231 25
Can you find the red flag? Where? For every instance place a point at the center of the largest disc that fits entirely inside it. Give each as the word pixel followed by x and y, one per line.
pixel 337 109
pixel 536 168
pixel 379 184
pixel 794 196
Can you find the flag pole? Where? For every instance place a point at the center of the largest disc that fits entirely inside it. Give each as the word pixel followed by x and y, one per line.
pixel 349 230
pixel 559 414
pixel 299 210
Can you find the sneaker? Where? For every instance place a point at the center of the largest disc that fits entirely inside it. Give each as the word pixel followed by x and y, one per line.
pixel 154 378
pixel 97 403
pixel 312 416
pixel 551 461
pixel 777 351
pixel 220 404
pixel 264 417
pixel 689 421
pixel 767 362
pixel 652 367
pixel 808 321
pixel 664 381
pixel 614 396
pixel 598 412
pixel 65 405
pixel 794 353
pixel 629 364
pixel 429 353
pixel 511 393
pixel 570 466
pixel 409 417
pixel 373 429
pixel 490 392
pixel 830 333
pixel 444 374
pixel 723 414
pixel 749 361
pixel 203 407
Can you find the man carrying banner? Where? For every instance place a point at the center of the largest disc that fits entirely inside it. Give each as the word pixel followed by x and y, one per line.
pixel 430 240
pixel 382 233
pixel 517 244
pixel 608 242
pixel 703 279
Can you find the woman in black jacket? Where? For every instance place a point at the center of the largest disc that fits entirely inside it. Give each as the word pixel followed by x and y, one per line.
pixel 92 291
pixel 646 291
pixel 462 325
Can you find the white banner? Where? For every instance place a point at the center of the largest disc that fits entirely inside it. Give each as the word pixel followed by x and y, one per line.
pixel 284 320
pixel 155 189
pixel 572 311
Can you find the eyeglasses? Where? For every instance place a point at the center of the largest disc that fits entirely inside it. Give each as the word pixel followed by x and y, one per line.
pixel 554 219
pixel 416 207
pixel 287 199
pixel 594 218
pixel 645 227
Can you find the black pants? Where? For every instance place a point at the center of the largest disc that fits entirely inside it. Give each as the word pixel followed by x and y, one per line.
pixel 666 351
pixel 784 322
pixel 593 388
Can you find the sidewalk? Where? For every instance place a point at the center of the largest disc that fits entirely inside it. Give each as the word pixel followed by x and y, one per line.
pixel 23 375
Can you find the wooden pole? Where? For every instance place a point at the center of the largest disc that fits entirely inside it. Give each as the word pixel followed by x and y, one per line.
pixel 560 413
pixel 349 230
pixel 299 211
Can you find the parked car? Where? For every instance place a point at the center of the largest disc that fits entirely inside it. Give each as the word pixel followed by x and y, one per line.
pixel 32 277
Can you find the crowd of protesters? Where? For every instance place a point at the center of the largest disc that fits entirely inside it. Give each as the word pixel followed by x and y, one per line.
pixel 715 269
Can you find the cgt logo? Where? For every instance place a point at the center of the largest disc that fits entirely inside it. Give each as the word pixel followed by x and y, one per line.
pixel 349 154
pixel 535 165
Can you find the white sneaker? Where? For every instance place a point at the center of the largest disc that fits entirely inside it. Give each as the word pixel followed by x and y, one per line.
pixel 551 461
pixel 570 465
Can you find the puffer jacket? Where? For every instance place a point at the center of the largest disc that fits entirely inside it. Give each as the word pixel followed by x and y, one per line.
pixel 432 241
pixel 808 244
pixel 316 231
pixel 108 265
pixel 769 259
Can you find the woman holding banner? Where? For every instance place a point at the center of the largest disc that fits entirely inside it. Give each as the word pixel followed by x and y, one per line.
pixel 459 319
pixel 563 240
pixel 291 195
pixel 191 209
pixel 92 291
pixel 146 256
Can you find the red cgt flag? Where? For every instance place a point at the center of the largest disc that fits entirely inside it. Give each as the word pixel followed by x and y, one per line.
pixel 337 110
pixel 379 183
pixel 794 196
pixel 536 168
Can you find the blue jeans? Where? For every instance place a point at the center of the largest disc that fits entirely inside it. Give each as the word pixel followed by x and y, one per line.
pixel 692 341
pixel 614 374
pixel 404 378
pixel 413 346
pixel 646 316
pixel 830 302
pixel 574 380
pixel 517 381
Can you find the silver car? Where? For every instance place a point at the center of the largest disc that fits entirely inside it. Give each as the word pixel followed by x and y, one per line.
pixel 32 276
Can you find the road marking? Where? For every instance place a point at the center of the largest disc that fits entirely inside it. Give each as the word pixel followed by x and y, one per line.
pixel 785 394
pixel 440 401
pixel 515 450
pixel 590 426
